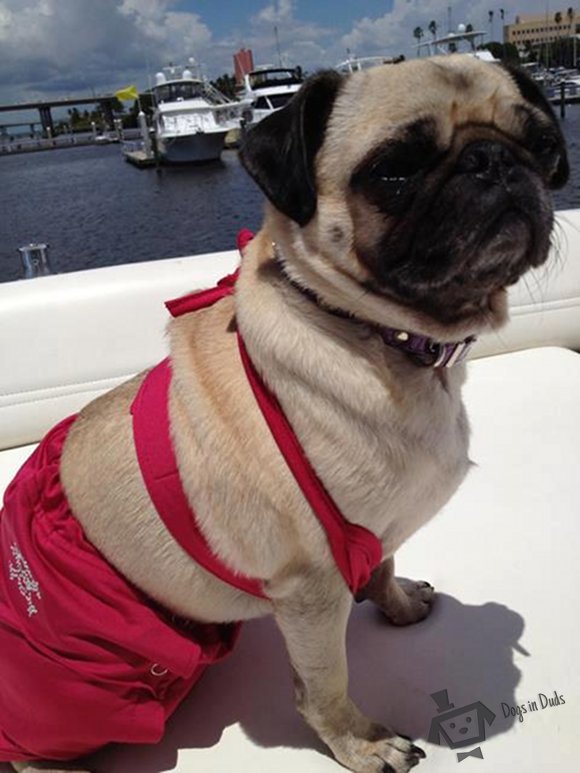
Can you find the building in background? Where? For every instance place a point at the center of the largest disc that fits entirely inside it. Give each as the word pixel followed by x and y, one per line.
pixel 243 64
pixel 538 29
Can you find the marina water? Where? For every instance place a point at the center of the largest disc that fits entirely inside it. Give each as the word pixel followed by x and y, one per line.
pixel 94 209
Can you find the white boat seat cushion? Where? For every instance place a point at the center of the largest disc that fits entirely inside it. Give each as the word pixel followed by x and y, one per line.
pixel 66 339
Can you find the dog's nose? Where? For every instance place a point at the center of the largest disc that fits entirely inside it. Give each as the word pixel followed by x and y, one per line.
pixel 488 161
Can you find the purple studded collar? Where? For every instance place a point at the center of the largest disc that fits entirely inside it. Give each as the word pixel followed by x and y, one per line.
pixel 425 351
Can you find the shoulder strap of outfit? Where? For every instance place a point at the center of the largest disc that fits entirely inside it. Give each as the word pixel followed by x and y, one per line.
pixel 154 447
pixel 356 550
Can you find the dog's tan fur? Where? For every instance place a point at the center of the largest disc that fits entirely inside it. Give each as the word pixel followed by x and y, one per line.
pixel 388 439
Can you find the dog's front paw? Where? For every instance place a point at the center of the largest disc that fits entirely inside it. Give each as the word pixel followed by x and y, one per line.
pixel 408 601
pixel 382 753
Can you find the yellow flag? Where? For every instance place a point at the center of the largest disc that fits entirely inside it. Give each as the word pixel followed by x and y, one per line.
pixel 128 93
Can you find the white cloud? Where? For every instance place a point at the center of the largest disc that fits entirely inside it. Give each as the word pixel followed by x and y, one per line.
pixel 392 33
pixel 176 34
pixel 300 42
pixel 70 46
pixel 278 12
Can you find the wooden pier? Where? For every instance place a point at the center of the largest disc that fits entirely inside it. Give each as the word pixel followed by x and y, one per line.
pixel 139 158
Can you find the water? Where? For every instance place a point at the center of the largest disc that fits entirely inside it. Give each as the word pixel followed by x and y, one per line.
pixel 94 209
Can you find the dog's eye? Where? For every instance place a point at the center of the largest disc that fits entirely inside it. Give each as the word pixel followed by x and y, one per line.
pixel 396 177
pixel 546 144
pixel 393 184
pixel 543 142
pixel 393 176
pixel 398 168
pixel 546 148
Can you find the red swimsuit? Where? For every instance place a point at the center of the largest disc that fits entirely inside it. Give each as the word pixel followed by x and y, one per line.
pixel 85 658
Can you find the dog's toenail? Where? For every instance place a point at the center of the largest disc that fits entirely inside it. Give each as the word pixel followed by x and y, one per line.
pixel 418 751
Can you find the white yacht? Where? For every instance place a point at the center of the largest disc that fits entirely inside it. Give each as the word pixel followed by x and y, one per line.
pixel 267 89
pixel 191 117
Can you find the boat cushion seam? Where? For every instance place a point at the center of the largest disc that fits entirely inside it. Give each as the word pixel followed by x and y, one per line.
pixel 79 387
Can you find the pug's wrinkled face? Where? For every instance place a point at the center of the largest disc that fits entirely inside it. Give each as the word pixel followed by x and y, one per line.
pixel 429 181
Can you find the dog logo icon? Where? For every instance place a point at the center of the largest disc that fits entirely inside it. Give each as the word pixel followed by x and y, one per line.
pixel 460 727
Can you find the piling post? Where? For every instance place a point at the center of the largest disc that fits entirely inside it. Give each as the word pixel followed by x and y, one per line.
pixel 142 120
pixel 35 260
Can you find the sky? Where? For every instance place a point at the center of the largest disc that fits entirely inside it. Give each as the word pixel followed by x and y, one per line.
pixel 52 48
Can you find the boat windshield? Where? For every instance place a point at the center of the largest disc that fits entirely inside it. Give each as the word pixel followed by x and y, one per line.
pixel 178 91
pixel 279 100
pixel 272 101
pixel 263 78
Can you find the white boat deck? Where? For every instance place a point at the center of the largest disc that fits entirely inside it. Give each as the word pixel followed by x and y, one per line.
pixel 503 557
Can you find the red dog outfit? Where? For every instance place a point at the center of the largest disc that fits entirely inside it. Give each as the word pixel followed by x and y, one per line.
pixel 85 658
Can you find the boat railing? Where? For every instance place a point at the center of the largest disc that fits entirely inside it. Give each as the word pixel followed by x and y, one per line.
pixel 214 94
pixel 356 63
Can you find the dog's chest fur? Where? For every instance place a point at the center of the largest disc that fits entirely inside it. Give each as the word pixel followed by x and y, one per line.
pixel 394 466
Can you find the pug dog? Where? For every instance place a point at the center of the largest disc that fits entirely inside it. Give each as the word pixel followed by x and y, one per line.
pixel 401 203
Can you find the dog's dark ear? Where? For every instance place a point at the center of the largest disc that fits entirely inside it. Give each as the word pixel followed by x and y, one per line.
pixel 532 92
pixel 279 152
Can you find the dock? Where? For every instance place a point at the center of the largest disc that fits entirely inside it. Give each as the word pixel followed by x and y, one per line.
pixel 139 158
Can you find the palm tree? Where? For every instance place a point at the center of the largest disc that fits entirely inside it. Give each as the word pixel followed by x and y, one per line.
pixel 558 20
pixel 433 28
pixel 490 16
pixel 418 33
pixel 571 14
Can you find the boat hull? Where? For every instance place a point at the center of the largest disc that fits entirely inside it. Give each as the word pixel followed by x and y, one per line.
pixel 191 148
